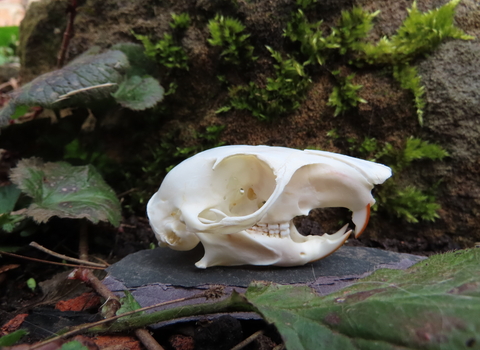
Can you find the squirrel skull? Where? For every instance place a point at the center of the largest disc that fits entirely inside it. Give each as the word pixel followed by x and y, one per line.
pixel 239 201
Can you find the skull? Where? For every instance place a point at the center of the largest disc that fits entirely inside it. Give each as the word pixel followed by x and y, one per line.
pixel 239 201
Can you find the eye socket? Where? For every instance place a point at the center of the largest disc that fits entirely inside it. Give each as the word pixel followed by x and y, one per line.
pixel 243 184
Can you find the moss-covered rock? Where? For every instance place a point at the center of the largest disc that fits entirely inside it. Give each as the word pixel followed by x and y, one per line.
pixel 158 139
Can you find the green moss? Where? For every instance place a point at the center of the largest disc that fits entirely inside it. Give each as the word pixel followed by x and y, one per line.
pixel 167 50
pixel 405 202
pixel 419 34
pixel 314 45
pixel 281 94
pixel 229 33
pixel 181 21
pixel 409 79
pixel 345 95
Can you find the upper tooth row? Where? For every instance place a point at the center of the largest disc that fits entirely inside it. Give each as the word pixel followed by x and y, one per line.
pixel 281 230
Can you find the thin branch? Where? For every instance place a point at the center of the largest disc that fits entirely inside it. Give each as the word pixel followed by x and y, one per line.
pixel 68 34
pixel 50 262
pixel 110 319
pixel 247 341
pixel 67 258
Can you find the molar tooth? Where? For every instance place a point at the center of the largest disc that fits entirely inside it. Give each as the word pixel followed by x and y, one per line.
pixel 284 226
pixel 285 233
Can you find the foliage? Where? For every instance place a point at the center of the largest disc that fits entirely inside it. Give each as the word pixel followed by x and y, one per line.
pixel 419 34
pixel 228 33
pixel 409 203
pixel 90 78
pixel 344 96
pixel 434 303
pixel 73 345
pixel 128 304
pixel 280 95
pixel 409 79
pixel 165 51
pixel 405 202
pixel 181 21
pixel 8 45
pixel 138 93
pixel 353 27
pixel 59 189
pixel 12 338
pixel 313 44
pixel 304 4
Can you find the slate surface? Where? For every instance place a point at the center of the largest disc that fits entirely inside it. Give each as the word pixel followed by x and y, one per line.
pixel 160 275
pixel 169 267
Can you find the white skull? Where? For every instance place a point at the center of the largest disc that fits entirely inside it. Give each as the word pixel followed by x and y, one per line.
pixel 239 201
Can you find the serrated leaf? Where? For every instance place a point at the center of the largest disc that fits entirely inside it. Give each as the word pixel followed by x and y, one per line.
pixel 8 198
pixel 88 78
pixel 60 189
pixel 12 338
pixel 138 93
pixel 433 305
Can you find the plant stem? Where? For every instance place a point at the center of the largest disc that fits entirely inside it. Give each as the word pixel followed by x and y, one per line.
pixel 68 34
pixel 64 257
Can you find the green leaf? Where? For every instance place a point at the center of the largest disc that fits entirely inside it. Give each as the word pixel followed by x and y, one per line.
pixel 432 305
pixel 128 304
pixel 88 78
pixel 59 189
pixel 8 198
pixel 73 345
pixel 138 93
pixel 12 338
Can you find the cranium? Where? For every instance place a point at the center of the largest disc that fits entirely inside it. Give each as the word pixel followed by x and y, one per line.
pixel 239 201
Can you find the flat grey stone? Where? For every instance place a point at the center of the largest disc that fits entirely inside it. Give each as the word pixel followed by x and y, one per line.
pixel 162 274
pixel 169 267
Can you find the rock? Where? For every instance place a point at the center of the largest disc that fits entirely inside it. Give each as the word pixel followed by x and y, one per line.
pixel 451 76
pixel 159 275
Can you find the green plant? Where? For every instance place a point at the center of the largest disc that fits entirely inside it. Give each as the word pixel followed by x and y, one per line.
pixel 228 33
pixel 344 96
pixel 409 79
pixel 406 202
pixel 181 21
pixel 8 45
pixel 165 51
pixel 281 94
pixel 304 4
pixel 119 74
pixel 313 44
pixel 419 34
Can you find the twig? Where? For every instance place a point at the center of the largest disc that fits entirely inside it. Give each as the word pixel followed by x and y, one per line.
pixel 127 192
pixel 147 340
pixel 142 334
pixel 110 319
pixel 49 262
pixel 68 34
pixel 247 341
pixel 279 347
pixel 67 258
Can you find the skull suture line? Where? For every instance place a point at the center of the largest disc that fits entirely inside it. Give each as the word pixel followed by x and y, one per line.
pixel 239 201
